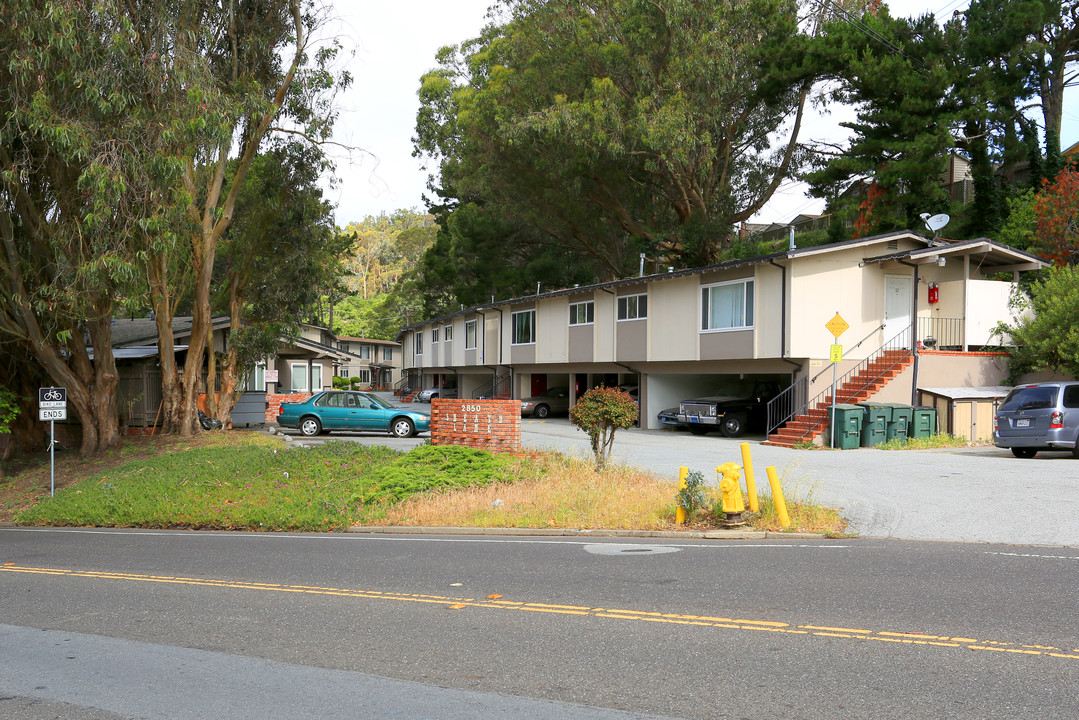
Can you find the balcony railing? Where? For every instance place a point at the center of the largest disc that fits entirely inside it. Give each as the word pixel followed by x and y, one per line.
pixel 939 333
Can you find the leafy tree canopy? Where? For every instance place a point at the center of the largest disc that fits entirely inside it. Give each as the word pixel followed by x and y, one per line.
pixel 1048 340
pixel 610 128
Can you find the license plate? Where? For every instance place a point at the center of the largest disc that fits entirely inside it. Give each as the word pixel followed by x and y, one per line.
pixel 1022 423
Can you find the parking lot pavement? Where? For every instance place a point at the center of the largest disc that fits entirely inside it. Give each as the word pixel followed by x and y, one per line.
pixel 973 494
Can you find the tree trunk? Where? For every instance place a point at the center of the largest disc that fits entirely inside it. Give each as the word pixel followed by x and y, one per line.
pixel 160 299
pixel 106 378
pixel 231 374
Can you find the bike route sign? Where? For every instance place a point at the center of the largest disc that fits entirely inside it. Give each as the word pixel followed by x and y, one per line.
pixel 52 403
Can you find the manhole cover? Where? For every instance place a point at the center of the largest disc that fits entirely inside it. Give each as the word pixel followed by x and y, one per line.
pixel 617 549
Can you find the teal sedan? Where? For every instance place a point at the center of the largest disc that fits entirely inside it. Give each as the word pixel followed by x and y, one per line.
pixel 351 411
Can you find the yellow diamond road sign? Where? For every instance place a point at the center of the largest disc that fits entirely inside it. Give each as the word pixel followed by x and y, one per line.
pixel 837 325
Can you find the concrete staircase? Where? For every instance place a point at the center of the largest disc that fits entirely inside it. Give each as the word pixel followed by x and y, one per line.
pixel 861 386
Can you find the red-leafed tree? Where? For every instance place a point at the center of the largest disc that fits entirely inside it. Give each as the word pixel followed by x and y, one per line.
pixel 1057 212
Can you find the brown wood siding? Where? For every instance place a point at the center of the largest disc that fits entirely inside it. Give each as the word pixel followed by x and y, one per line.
pixel 632 341
pixel 581 343
pixel 734 345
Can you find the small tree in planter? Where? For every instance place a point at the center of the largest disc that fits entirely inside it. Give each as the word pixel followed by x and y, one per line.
pixel 601 411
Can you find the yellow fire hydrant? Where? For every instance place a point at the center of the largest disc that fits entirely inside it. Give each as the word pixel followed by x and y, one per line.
pixel 731 489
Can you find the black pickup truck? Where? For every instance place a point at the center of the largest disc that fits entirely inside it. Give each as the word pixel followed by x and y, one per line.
pixel 731 414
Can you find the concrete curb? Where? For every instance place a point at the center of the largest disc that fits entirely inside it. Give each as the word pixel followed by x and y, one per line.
pixel 568 532
pixel 574 532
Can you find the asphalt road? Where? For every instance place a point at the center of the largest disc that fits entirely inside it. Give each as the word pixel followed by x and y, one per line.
pixel 97 625
pixel 971 494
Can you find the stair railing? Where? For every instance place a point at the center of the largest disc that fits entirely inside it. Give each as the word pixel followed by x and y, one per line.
pixel 498 385
pixel 787 404
pixel 900 342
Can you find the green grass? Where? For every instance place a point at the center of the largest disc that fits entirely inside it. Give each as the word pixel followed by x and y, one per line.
pixel 942 440
pixel 259 487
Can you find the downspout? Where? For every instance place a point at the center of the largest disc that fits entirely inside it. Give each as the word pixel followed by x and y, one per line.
pixel 501 322
pixel 913 333
pixel 783 316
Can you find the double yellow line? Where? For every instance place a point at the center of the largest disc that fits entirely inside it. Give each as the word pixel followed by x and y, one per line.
pixel 495 602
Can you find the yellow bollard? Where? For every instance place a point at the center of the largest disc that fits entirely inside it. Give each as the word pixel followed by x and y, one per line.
pixel 777 497
pixel 751 483
pixel 731 490
pixel 680 513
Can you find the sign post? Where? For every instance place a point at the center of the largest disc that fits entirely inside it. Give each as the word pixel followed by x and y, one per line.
pixel 837 326
pixel 52 406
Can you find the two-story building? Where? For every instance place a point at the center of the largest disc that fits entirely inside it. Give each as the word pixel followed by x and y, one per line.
pixel 687 333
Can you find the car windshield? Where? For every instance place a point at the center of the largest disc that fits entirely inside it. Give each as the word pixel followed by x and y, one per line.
pixel 1030 398
pixel 379 402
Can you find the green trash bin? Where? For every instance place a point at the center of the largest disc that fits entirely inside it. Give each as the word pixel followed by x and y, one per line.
pixel 848 426
pixel 875 423
pixel 899 425
pixel 924 422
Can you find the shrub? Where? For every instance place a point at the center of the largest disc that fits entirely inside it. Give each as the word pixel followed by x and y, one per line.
pixel 601 411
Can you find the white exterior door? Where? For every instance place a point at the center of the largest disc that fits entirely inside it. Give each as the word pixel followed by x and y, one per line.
pixel 897 307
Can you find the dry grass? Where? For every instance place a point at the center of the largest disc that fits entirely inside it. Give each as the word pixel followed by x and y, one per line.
pixel 568 494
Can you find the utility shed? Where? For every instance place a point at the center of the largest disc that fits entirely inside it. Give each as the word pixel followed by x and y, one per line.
pixel 965 412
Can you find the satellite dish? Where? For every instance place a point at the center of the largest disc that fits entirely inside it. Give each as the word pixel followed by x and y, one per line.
pixel 936 222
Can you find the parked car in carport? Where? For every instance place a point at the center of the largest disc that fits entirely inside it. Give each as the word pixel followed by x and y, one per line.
pixel 551 401
pixel 732 413
pixel 432 393
pixel 353 411
pixel 1039 417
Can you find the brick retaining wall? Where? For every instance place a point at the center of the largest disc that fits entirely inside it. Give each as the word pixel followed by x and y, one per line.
pixel 274 400
pixel 484 424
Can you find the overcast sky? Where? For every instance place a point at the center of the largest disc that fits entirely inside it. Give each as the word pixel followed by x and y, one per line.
pixel 389 45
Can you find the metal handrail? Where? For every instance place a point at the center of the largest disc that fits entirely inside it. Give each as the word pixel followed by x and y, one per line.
pixel 785 402
pixel 899 342
pixel 492 389
pixel 872 332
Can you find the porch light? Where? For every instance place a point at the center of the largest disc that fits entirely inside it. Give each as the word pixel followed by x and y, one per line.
pixel 942 261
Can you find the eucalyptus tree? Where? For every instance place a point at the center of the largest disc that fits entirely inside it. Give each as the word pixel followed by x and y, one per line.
pixel 233 73
pixel 277 259
pixel 72 161
pixel 618 126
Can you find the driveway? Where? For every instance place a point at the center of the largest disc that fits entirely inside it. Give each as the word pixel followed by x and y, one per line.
pixel 975 494
pixel 972 494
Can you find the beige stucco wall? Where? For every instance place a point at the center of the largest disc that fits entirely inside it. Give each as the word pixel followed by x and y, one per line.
pixel 768 312
pixel 552 323
pixel 674 318
pixel 821 286
pixel 953 370
pixel 606 310
pixel 988 304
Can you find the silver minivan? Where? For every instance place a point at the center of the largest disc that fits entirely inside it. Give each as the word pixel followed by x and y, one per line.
pixel 1039 417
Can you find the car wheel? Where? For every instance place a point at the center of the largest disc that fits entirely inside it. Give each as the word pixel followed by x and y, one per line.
pixel 697 429
pixel 1024 452
pixel 541 411
pixel 403 428
pixel 310 426
pixel 733 426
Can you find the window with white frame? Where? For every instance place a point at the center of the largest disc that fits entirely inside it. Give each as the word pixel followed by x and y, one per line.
pixel 447 333
pixel 434 335
pixel 365 352
pixel 299 377
pixel 387 354
pixel 583 313
pixel 727 306
pixel 470 335
pixel 256 381
pixel 419 343
pixel 365 375
pixel 316 378
pixel 632 307
pixel 524 327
